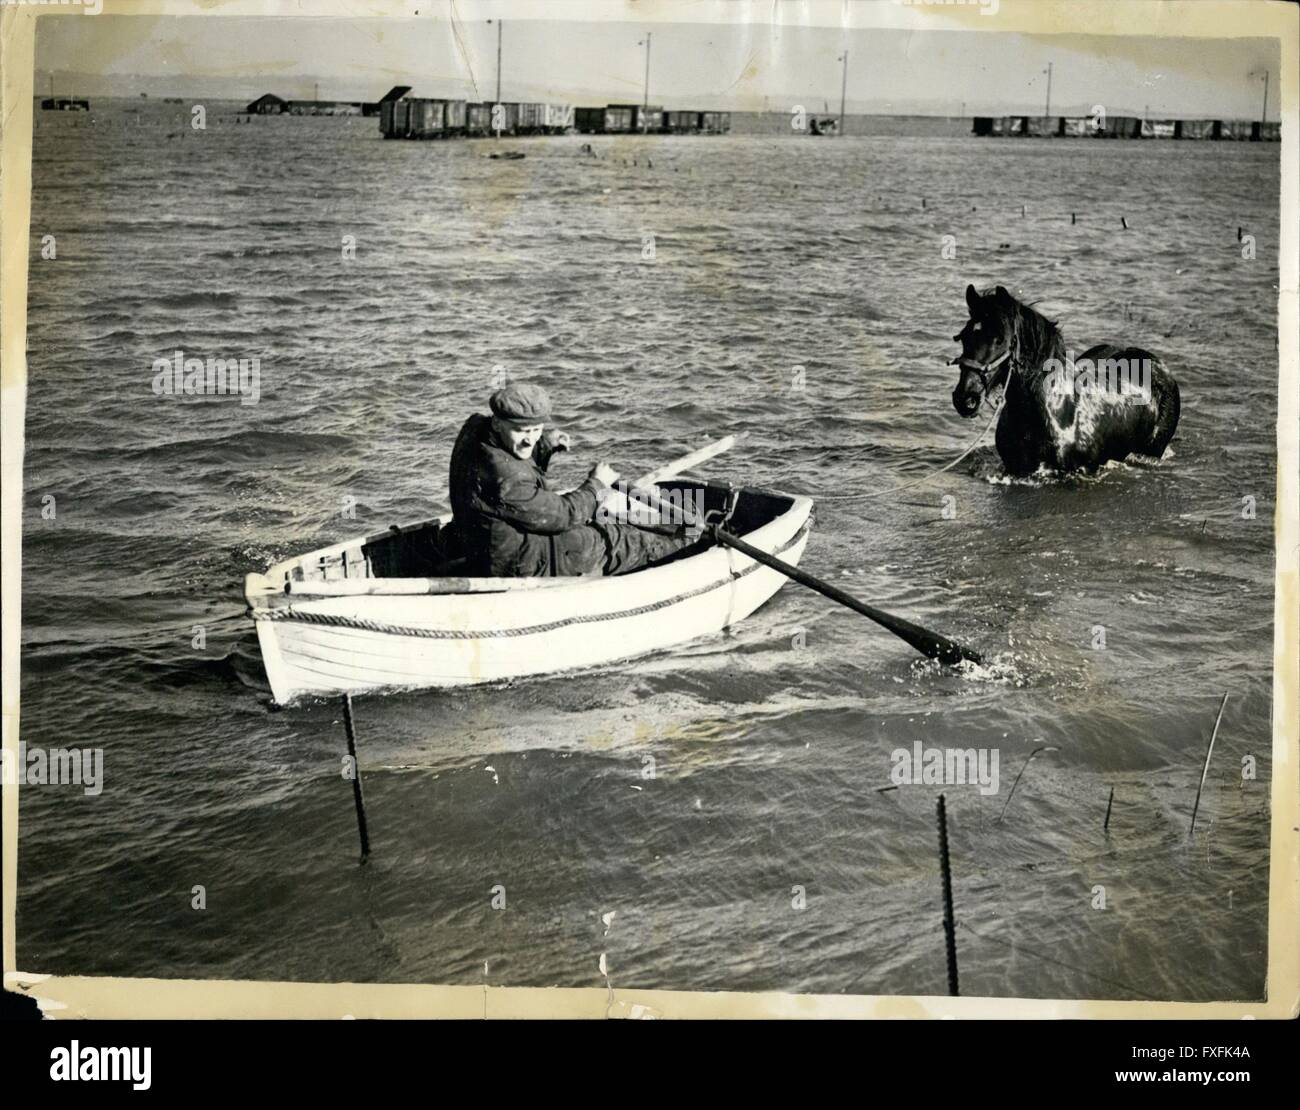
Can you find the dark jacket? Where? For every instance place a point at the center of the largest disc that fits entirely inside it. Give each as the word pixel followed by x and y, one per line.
pixel 509 519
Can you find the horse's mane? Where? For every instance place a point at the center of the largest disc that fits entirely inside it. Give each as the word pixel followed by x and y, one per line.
pixel 1037 337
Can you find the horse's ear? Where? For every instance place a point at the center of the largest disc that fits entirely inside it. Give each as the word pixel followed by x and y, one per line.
pixel 1002 295
pixel 972 298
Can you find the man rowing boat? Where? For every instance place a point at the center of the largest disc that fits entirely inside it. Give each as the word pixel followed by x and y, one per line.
pixel 508 514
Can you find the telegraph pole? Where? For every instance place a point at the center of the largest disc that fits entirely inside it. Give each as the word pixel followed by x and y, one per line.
pixel 645 103
pixel 1047 111
pixel 844 87
pixel 500 24
pixel 1263 115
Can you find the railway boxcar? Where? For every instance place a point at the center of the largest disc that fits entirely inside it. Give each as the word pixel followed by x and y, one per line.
pixel 1198 129
pixel 1161 129
pixel 401 119
pixel 559 117
pixel 624 118
pixel 428 119
pixel 456 116
pixel 531 118
pixel 618 120
pixel 1123 127
pixel 715 123
pixel 509 117
pixel 478 119
pixel 589 121
pixel 649 119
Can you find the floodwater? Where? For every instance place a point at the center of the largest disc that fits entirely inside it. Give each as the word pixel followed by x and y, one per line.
pixel 798 292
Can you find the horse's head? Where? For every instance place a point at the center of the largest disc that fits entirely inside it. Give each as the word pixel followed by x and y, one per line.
pixel 986 345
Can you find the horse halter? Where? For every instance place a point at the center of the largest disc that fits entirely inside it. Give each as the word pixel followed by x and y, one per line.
pixel 984 369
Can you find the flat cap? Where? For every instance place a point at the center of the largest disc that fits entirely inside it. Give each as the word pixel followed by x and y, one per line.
pixel 524 403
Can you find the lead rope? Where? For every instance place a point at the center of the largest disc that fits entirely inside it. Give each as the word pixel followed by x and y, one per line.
pixel 926 477
pixel 1013 353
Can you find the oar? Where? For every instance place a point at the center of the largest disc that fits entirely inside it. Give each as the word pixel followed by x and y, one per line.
pixel 926 642
pixel 645 484
pixel 643 489
pixel 672 469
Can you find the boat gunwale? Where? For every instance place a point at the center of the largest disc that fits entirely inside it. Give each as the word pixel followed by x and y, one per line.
pixel 292 614
pixel 270 594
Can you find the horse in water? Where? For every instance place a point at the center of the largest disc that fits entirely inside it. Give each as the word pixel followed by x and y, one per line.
pixel 1059 411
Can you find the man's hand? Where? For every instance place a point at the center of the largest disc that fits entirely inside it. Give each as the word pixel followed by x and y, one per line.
pixel 553 441
pixel 605 474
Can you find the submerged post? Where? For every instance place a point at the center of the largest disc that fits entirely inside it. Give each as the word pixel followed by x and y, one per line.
pixel 1105 825
pixel 355 774
pixel 949 925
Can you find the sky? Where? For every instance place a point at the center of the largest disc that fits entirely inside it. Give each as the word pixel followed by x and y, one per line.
pixel 741 67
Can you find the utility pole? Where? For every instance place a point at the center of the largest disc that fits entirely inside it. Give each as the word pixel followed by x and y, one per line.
pixel 500 24
pixel 1047 111
pixel 645 103
pixel 1263 115
pixel 844 87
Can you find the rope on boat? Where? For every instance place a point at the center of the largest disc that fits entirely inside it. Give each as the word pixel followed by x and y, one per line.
pixel 333 620
pixel 925 477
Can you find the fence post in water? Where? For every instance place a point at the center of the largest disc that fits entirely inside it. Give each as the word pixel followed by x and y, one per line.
pixel 356 777
pixel 1123 220
pixel 1205 769
pixel 1072 217
pixel 949 925
pixel 1105 825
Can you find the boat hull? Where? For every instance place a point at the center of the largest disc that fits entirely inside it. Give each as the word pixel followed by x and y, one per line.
pixel 335 645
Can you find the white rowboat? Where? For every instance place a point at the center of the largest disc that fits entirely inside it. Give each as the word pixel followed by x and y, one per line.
pixel 373 613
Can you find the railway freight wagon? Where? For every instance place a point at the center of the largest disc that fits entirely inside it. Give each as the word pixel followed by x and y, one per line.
pixel 626 118
pixel 618 121
pixel 1161 129
pixel 1077 127
pixel 509 113
pixel 1123 127
pixel 1198 129
pixel 395 119
pixel 478 119
pixel 589 121
pixel 428 119
pixel 530 119
pixel 681 123
pixel 457 116
pixel 559 118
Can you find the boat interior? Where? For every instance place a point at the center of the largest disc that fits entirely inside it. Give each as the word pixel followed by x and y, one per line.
pixel 429 549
